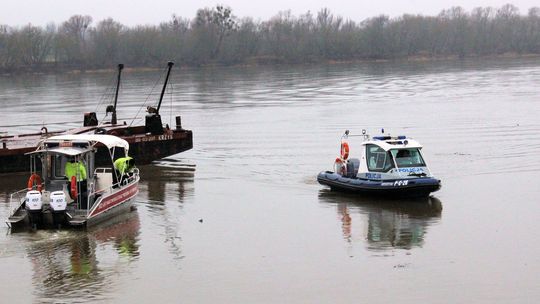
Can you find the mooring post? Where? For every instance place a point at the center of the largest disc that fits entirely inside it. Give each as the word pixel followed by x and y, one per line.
pixel 178 123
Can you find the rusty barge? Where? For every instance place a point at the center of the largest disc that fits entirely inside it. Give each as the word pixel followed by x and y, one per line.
pixel 148 142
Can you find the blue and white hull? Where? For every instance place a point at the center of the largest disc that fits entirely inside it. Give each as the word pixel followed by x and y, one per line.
pixel 403 187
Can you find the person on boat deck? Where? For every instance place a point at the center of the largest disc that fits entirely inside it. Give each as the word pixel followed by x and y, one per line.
pixel 77 169
pixel 123 166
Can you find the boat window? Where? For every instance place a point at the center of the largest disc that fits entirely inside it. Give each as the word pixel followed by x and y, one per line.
pixel 58 165
pixel 378 159
pixel 408 157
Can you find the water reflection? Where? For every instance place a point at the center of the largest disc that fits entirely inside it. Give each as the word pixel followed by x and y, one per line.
pixel 160 177
pixel 80 266
pixel 385 224
pixel 167 184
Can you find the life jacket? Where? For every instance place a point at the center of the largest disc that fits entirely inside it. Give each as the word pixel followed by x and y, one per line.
pixel 123 164
pixel 75 169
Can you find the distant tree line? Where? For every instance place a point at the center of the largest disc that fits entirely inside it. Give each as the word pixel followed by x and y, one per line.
pixel 216 36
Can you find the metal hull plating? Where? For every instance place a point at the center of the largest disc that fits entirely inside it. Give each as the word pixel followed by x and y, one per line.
pixel 414 187
pixel 113 204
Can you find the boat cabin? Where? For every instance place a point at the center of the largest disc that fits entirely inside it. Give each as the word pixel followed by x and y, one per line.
pixel 55 157
pixel 59 152
pixel 387 157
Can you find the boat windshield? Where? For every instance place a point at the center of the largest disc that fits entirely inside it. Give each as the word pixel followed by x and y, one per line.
pixel 378 159
pixel 409 157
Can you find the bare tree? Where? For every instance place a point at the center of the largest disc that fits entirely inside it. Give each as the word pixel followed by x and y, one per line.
pixel 216 36
pixel 72 38
pixel 533 30
pixel 4 46
pixel 106 42
pixel 225 23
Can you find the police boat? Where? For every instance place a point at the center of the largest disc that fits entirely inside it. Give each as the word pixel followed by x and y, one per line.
pixel 387 165
pixel 66 187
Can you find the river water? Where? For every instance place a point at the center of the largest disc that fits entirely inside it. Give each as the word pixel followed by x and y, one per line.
pixel 251 225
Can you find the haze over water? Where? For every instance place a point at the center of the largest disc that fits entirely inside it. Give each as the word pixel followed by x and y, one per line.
pixel 251 224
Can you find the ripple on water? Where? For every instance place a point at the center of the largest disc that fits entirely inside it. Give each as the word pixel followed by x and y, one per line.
pixel 75 265
pixel 274 129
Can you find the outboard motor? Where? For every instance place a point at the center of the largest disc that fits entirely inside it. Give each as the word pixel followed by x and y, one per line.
pixel 58 201
pixel 34 205
pixel 353 164
pixel 58 205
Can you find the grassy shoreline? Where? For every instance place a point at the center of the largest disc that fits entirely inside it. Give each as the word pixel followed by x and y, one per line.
pixel 255 62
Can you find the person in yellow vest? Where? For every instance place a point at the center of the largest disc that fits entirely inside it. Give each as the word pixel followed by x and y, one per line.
pixel 123 166
pixel 76 169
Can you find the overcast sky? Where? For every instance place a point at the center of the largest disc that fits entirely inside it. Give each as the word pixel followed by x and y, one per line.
pixel 132 12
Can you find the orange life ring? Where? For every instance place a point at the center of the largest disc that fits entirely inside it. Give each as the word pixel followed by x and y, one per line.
pixel 34 177
pixel 73 187
pixel 344 150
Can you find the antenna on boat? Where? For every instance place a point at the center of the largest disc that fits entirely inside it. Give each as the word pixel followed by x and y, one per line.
pixel 345 135
pixel 365 135
pixel 170 65
pixel 113 118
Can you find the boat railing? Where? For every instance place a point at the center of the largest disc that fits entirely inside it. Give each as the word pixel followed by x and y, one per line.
pixel 134 175
pixel 122 181
pixel 16 200
pixel 131 177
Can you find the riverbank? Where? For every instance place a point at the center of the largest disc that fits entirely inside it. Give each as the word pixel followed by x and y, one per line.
pixel 262 61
